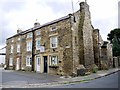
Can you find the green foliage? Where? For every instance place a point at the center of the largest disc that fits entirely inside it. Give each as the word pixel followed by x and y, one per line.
pixel 114 38
pixel 115 32
pixel 95 69
pixel 116 47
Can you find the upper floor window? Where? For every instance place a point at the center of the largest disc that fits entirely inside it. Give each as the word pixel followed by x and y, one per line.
pixel 29 46
pixel 38 43
pixel 18 48
pixel 19 39
pixel 11 62
pixel 29 35
pixel 53 28
pixel 38 33
pixel 54 60
pixel 11 49
pixel 54 42
pixel 28 61
pixel 12 40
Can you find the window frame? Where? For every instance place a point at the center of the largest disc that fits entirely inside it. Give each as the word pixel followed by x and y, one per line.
pixel 52 42
pixel 38 33
pixel 19 39
pixel 11 61
pixel 38 46
pixel 18 48
pixel 12 40
pixel 29 45
pixel 29 35
pixel 11 50
pixel 55 61
pixel 29 61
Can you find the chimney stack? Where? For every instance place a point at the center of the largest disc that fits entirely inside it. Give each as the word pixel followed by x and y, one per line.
pixel 18 31
pixel 84 6
pixel 36 24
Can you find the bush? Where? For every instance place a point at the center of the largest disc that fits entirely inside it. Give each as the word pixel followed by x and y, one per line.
pixel 95 69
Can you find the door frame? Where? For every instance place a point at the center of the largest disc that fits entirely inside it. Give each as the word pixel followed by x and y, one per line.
pixel 36 64
pixel 45 65
pixel 17 63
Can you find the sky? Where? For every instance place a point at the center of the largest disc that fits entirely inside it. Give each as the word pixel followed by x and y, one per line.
pixel 22 14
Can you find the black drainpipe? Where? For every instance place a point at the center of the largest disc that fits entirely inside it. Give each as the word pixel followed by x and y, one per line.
pixel 33 55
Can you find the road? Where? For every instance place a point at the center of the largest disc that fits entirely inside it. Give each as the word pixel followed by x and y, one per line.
pixel 110 81
pixel 22 78
pixel 14 78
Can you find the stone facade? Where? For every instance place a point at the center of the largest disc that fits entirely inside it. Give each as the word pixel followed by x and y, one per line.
pixel 58 47
pixel 102 51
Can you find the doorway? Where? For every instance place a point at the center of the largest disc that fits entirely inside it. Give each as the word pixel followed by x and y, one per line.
pixel 17 64
pixel 37 64
pixel 45 64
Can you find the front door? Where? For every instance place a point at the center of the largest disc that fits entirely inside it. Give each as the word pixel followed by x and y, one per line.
pixel 17 64
pixel 45 64
pixel 38 64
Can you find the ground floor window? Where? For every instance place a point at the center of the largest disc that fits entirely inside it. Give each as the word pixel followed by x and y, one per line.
pixel 11 62
pixel 28 61
pixel 54 60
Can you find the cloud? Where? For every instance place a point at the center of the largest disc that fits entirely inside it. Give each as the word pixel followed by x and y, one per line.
pixel 23 14
pixel 104 14
pixel 119 14
pixel 6 7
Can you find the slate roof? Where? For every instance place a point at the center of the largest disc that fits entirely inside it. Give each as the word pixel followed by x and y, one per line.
pixel 46 24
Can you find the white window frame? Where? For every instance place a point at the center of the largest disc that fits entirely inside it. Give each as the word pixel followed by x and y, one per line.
pixel 11 50
pixel 19 39
pixel 38 33
pixel 38 45
pixel 29 45
pixel 54 60
pixel 29 35
pixel 54 43
pixel 12 40
pixel 28 61
pixel 18 48
pixel 11 62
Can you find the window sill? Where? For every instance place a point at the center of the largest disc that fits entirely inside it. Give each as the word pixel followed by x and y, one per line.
pixel 28 65
pixel 53 66
pixel 29 51
pixel 54 47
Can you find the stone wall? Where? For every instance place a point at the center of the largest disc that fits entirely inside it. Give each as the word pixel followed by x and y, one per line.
pixel 115 62
pixel 87 31
pixel 79 45
pixel 109 55
pixel 96 46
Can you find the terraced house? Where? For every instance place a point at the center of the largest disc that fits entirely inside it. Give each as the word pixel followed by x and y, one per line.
pixel 61 47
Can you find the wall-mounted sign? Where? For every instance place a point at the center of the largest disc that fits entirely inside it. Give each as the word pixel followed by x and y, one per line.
pixel 42 49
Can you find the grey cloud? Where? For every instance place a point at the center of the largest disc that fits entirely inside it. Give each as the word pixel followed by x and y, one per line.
pixel 119 14
pixel 6 7
pixel 105 26
pixel 12 5
pixel 58 7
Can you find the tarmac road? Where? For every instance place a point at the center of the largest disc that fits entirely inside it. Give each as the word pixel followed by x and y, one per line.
pixel 110 81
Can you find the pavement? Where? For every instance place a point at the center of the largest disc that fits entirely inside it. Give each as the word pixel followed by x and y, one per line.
pixel 70 80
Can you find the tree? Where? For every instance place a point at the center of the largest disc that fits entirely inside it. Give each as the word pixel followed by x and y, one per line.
pixel 114 38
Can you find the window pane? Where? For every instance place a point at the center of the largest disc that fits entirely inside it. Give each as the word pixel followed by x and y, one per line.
pixel 54 41
pixel 37 32
pixel 54 60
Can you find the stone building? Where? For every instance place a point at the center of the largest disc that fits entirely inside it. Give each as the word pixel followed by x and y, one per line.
pixel 58 47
